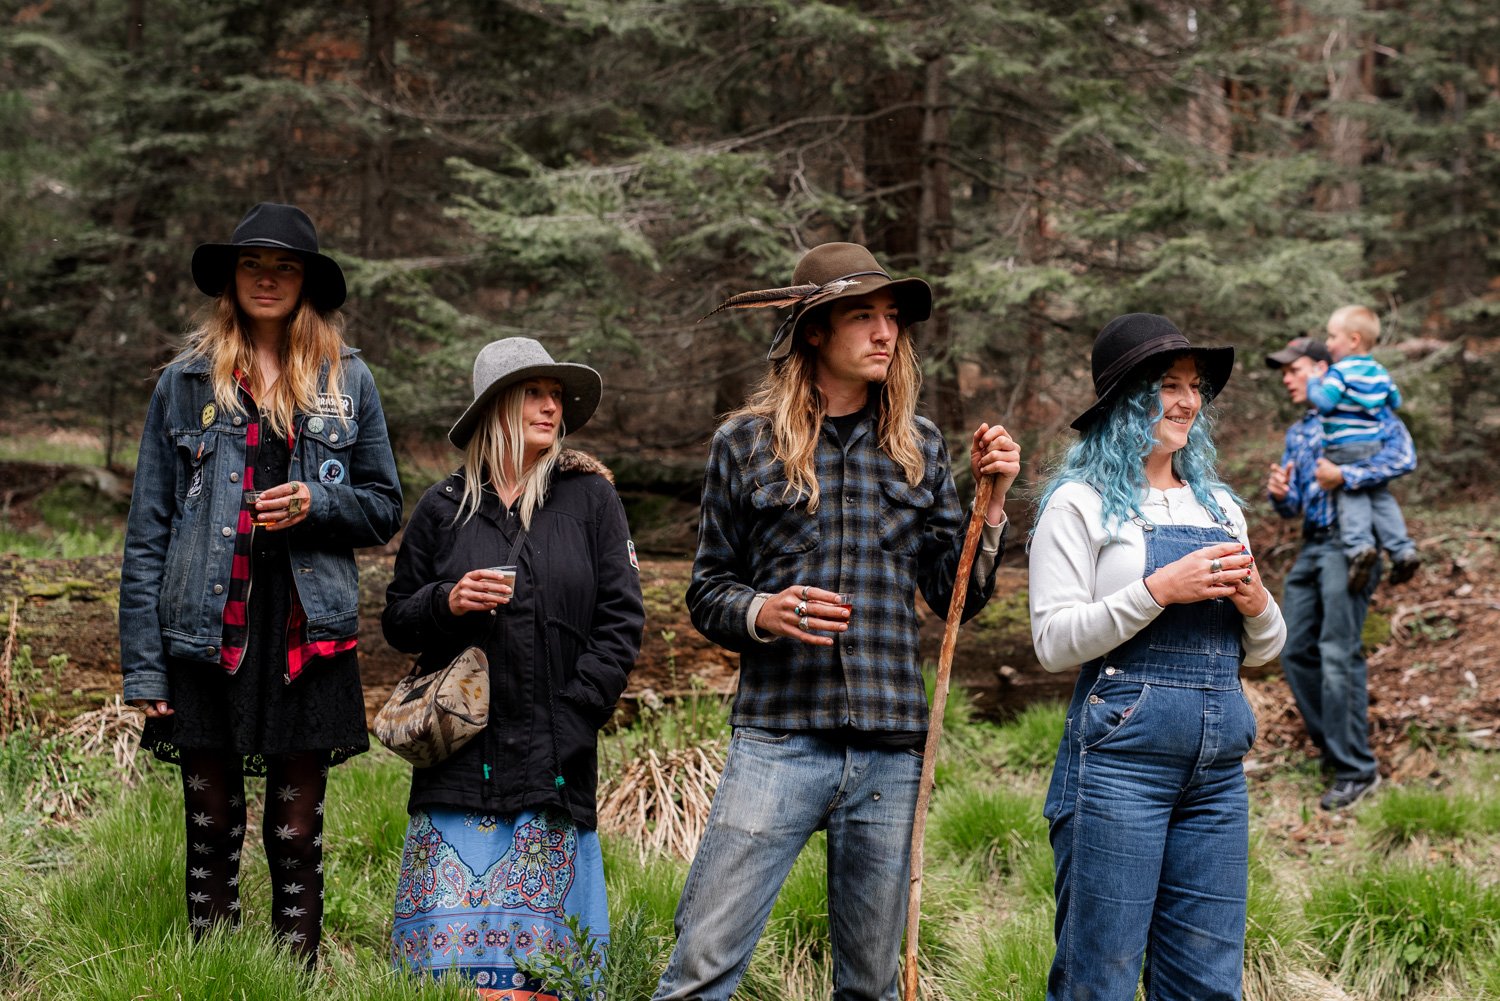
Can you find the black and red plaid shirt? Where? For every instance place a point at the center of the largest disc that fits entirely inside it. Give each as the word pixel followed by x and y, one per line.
pixel 299 650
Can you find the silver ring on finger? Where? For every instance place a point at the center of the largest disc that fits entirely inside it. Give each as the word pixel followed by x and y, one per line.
pixel 1249 579
pixel 804 592
pixel 1215 566
pixel 802 623
pixel 800 610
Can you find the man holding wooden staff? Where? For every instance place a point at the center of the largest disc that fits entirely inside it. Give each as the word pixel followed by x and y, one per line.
pixel 827 503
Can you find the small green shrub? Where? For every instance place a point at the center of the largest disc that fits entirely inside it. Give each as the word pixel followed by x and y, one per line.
pixel 1389 931
pixel 1029 742
pixel 989 827
pixel 1402 814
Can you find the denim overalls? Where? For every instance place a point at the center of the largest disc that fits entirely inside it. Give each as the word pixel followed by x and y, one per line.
pixel 1148 806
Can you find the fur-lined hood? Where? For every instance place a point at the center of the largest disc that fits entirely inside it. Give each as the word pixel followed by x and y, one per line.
pixel 570 460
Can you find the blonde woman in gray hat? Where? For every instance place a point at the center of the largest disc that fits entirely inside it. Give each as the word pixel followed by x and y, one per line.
pixel 501 848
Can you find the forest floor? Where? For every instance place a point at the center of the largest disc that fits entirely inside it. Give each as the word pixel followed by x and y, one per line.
pixel 1434 642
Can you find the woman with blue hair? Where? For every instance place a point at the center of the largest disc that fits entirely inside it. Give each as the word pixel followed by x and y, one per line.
pixel 1141 572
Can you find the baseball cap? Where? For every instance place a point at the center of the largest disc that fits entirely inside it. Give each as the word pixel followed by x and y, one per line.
pixel 1297 348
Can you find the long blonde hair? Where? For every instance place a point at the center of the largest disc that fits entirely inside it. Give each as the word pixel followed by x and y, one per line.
pixel 497 446
pixel 313 339
pixel 790 400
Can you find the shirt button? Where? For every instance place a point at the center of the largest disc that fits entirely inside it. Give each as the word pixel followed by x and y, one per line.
pixel 333 436
pixel 234 477
pixel 218 589
pixel 226 531
pixel 238 421
pixel 1109 670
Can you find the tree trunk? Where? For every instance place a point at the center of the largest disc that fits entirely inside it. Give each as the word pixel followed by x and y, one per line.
pixel 935 241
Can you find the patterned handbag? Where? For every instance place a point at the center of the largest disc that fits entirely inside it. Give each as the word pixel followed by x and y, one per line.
pixel 429 716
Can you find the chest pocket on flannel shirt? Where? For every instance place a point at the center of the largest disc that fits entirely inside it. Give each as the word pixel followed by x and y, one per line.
pixel 782 522
pixel 903 515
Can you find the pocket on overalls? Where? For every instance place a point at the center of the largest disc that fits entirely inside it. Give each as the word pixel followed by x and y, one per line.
pixel 1110 708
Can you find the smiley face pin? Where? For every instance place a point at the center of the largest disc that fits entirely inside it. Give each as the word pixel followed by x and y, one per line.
pixel 209 413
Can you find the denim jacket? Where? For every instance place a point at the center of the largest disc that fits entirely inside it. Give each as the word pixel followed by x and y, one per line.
pixel 179 538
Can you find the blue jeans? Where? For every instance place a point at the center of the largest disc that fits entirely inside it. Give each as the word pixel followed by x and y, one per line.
pixel 777 789
pixel 1323 658
pixel 1150 830
pixel 1369 518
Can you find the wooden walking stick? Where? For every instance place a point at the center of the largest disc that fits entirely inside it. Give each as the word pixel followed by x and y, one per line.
pixel 935 724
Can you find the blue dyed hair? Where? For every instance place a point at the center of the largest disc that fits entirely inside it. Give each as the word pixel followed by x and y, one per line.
pixel 1111 456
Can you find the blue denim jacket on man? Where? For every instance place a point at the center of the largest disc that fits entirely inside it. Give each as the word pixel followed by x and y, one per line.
pixel 874 538
pixel 1304 446
pixel 179 538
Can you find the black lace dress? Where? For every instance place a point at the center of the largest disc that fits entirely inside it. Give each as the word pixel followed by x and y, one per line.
pixel 255 713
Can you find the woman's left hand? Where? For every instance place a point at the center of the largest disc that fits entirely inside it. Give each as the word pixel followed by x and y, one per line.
pixel 285 506
pixel 1250 595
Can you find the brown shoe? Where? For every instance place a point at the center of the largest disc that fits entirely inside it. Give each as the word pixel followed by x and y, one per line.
pixel 1360 565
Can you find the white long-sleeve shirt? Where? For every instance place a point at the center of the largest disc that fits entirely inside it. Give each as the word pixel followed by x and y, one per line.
pixel 1088 594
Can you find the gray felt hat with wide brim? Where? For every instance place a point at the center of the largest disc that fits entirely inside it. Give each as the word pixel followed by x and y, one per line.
pixel 504 363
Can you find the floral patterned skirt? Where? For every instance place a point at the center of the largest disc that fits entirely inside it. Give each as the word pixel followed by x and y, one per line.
pixel 478 891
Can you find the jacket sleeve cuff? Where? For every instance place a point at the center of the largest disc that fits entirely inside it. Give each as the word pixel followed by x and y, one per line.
pixel 149 686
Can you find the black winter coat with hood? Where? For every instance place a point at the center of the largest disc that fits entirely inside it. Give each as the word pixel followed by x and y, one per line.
pixel 559 652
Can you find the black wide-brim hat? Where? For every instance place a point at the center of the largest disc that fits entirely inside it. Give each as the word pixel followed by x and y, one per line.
pixel 504 363
pixel 283 227
pixel 1135 344
pixel 826 273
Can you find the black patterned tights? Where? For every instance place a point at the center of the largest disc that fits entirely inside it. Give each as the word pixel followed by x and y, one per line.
pixel 213 793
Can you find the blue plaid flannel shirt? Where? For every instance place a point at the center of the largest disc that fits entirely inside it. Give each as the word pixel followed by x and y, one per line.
pixel 1304 446
pixel 873 538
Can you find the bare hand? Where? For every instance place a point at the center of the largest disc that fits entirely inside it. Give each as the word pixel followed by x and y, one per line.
pixel 1279 483
pixel 153 708
pixel 800 611
pixel 1214 571
pixel 993 452
pixel 284 506
pixel 1329 476
pixel 479 591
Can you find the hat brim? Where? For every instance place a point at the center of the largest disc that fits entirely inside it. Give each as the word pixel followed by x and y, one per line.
pixel 1215 366
pixel 582 390
pixel 322 281
pixel 913 300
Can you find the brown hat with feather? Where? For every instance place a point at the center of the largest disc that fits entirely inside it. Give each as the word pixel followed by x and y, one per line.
pixel 825 273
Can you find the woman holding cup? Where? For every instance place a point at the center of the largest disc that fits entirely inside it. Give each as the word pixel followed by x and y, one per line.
pixel 264 462
pixel 524 551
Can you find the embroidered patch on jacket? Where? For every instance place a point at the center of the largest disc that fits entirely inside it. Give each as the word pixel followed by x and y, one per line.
pixel 336 405
pixel 331 471
pixel 196 487
pixel 630 548
pixel 209 413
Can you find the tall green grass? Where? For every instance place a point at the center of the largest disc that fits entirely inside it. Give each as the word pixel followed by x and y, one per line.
pixel 1400 815
pixel 95 909
pixel 1389 931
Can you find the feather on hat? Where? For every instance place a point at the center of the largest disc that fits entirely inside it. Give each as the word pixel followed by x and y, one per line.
pixel 826 273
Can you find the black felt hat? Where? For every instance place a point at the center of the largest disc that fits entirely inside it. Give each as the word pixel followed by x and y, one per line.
pixel 284 227
pixel 1131 344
